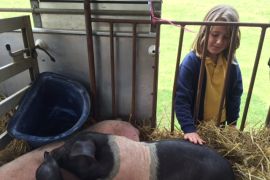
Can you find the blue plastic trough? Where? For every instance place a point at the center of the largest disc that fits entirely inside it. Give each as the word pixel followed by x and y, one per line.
pixel 52 109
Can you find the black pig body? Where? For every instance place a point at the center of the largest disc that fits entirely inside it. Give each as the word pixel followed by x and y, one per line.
pixel 93 156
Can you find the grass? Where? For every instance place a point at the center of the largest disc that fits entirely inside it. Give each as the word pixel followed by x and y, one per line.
pixel 13 4
pixel 194 10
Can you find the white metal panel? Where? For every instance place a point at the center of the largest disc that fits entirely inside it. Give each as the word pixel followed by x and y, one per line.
pixel 70 52
pixel 77 22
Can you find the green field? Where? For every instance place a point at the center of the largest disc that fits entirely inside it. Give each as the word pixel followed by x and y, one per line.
pixel 194 10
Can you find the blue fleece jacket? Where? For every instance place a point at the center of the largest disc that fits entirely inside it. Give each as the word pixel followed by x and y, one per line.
pixel 187 85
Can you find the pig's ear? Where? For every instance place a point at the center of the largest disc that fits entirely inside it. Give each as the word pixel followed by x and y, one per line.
pixel 81 158
pixel 84 148
pixel 49 169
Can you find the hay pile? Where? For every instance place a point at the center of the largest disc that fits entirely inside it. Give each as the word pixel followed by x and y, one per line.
pixel 16 147
pixel 248 152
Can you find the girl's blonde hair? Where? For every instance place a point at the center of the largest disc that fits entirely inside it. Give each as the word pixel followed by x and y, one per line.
pixel 221 13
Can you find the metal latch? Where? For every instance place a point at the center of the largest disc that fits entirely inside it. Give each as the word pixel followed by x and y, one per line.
pixel 17 55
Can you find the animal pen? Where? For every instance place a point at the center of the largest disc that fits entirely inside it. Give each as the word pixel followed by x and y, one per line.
pixel 116 55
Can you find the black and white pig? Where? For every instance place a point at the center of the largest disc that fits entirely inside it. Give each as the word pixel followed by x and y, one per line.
pixel 91 156
pixel 25 166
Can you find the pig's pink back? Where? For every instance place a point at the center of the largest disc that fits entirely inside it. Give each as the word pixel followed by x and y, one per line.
pixel 116 127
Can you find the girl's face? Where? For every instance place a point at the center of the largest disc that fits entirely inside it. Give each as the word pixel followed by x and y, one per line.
pixel 218 41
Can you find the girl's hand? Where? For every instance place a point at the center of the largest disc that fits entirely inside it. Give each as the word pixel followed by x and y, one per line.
pixel 194 138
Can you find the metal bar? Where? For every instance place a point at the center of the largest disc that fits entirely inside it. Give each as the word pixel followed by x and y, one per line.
pixel 134 69
pixel 26 45
pixel 17 10
pixel 178 59
pixel 201 75
pixel 14 68
pixel 127 13
pixel 96 33
pixel 155 82
pixel 229 62
pixel 12 101
pixel 36 10
pixel 28 41
pixel 5 139
pixel 104 1
pixel 267 121
pixel 90 50
pixel 127 21
pixel 182 23
pixel 112 70
pixel 36 16
pixel 125 34
pixel 254 72
pixel 11 24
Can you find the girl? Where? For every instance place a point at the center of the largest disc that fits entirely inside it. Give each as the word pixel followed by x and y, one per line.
pixel 213 80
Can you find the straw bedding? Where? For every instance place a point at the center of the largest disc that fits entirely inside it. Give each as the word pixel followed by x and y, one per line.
pixel 248 152
pixel 16 147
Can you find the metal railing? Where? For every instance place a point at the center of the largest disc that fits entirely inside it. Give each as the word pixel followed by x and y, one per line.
pixel 235 26
pixel 22 60
pixel 263 27
pixel 183 24
pixel 134 23
pixel 134 34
